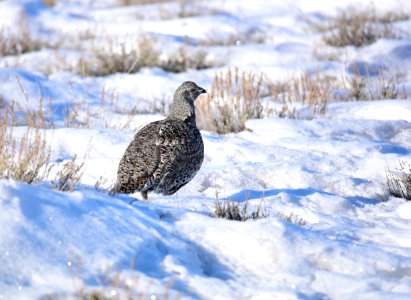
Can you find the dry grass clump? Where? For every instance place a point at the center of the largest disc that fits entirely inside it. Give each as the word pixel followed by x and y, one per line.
pixel 252 36
pixel 241 211
pixel 237 211
pixel 291 218
pixel 183 59
pixel 24 159
pixel 313 92
pixel 118 58
pixel 184 8
pixel 399 183
pixel 19 40
pixel 27 157
pixel 359 27
pixel 69 176
pixel 234 98
pixel 386 85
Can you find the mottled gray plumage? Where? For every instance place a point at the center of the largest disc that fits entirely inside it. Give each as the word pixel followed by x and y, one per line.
pixel 164 155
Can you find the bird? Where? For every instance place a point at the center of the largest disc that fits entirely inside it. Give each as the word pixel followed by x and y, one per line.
pixel 164 155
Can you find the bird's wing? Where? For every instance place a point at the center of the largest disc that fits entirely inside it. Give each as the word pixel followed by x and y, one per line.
pixel 181 154
pixel 171 141
pixel 140 160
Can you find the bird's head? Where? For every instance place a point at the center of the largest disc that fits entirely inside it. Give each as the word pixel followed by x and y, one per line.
pixel 189 91
pixel 183 104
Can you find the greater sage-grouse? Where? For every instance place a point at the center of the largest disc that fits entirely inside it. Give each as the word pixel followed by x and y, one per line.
pixel 167 154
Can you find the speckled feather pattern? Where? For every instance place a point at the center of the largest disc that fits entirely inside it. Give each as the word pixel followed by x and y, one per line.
pixel 164 155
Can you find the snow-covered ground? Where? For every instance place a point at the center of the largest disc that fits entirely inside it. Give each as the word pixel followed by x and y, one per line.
pixel 326 173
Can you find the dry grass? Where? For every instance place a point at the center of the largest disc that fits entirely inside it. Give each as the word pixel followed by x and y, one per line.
pixel 19 40
pixel 184 8
pixel 359 27
pixel 69 176
pixel 116 57
pixel 387 85
pixel 291 218
pixel 234 98
pixel 26 158
pixel 108 113
pixel 110 284
pixel 77 113
pixel 236 211
pixel 399 182
pixel 183 59
pixel 253 36
pixel 313 92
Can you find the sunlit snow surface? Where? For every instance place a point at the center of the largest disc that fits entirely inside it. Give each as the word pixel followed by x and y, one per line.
pixel 327 171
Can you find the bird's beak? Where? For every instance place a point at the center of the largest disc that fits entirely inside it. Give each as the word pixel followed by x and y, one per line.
pixel 202 91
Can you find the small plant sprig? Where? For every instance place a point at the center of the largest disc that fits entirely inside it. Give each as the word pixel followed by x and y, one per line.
pixel 231 210
pixel 399 183
pixel 69 176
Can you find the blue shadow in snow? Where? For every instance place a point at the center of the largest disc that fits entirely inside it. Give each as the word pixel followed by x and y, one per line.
pixel 159 241
pixel 254 194
pixel 246 194
pixel 402 52
pixel 385 149
pixel 362 68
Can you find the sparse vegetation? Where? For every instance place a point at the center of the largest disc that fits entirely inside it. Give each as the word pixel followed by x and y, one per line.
pixel 166 9
pixel 291 218
pixel 359 27
pixel 236 211
pixel 69 176
pixel 182 59
pixel 399 182
pixel 253 36
pixel 26 158
pixel 386 85
pixel 110 284
pixel 233 99
pixel 116 57
pixel 313 92
pixel 18 40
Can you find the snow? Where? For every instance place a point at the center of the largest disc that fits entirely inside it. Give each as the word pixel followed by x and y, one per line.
pixel 326 171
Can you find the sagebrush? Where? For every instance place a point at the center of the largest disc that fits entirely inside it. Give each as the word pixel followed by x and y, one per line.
pixel 359 26
pixel 234 97
pixel 115 56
